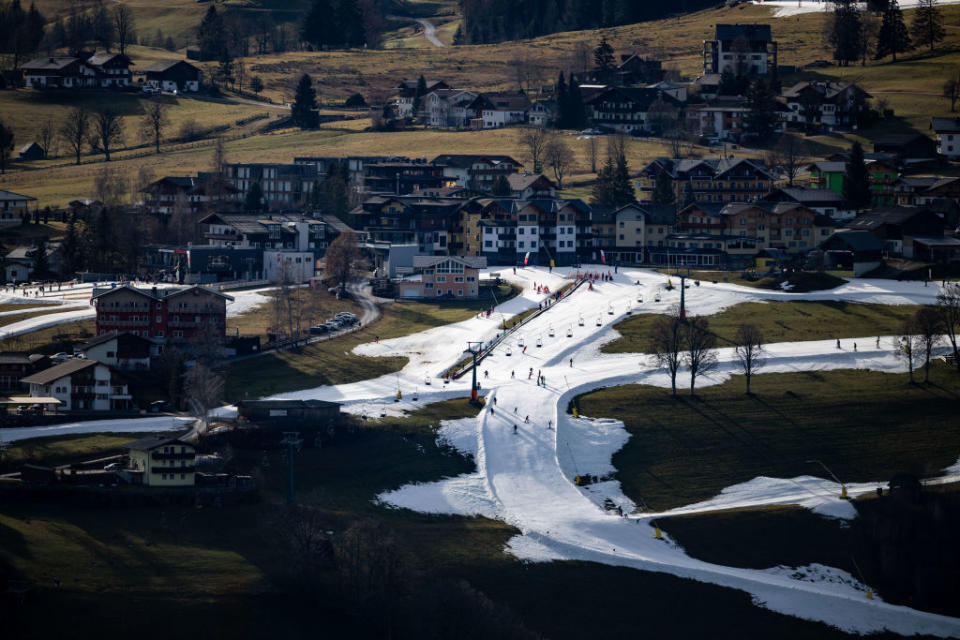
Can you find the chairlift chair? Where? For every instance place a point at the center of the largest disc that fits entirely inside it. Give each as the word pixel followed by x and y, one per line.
pixel 580 322
pixel 540 341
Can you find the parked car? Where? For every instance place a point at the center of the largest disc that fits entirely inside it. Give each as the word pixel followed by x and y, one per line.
pixel 113 466
pixel 63 356
pixel 319 329
pixel 149 88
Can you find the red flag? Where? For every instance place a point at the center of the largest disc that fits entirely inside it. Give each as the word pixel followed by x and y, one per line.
pixel 526 259
pixel 603 257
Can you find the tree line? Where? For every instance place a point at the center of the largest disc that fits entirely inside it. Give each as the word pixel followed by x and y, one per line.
pixel 499 20
pixel 881 30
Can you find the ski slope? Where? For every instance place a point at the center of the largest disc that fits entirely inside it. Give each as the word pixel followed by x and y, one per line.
pixel 787 8
pixel 526 478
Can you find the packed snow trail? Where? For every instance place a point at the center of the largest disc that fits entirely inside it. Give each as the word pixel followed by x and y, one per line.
pixel 526 478
pixel 520 478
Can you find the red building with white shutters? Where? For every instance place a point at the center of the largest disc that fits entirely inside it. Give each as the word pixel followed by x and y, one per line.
pixel 164 315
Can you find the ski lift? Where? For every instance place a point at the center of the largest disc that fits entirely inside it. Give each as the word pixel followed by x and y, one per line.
pixel 639 298
pixel 426 380
pixel 610 309
pixel 599 320
pixel 581 320
pixel 539 341
pixel 416 394
pixel 551 334
pixel 570 331
pixel 520 342
pixel 629 310
pixel 656 298
pixel 509 351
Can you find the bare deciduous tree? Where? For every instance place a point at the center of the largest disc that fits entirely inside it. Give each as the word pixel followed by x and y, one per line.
pixel 240 74
pixel 929 326
pixel 124 26
pixel 534 141
pixel 748 345
pixel 107 130
pixel 665 343
pixel 74 130
pixel 701 343
pixel 559 157
pixel 154 122
pixel 47 137
pixel 789 155
pixel 204 391
pixel 110 186
pixel 343 259
pixel 948 306
pixel 906 344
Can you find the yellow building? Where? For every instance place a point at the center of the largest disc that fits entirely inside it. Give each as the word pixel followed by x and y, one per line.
pixel 162 462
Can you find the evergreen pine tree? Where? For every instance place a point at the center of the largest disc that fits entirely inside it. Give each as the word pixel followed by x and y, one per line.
pixel 927 25
pixel 846 32
pixel 603 55
pixel 575 109
pixel 211 35
pixel 663 189
pixel 603 187
pixel 622 185
pixel 41 264
pixel 254 198
pixel 761 115
pixel 501 187
pixel 893 37
pixel 418 94
pixel 563 110
pixel 729 85
pixel 72 254
pixel 304 109
pixel 856 181
pixel 349 23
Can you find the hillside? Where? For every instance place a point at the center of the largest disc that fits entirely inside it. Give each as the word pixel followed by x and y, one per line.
pixel 911 87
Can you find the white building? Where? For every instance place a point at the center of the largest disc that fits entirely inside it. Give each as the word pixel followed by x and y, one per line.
pixel 296 267
pixel 81 385
pixel 948 136
pixel 13 206
pixel 504 109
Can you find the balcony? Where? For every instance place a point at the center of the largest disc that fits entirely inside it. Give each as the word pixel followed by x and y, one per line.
pixel 126 323
pixel 159 455
pixel 159 470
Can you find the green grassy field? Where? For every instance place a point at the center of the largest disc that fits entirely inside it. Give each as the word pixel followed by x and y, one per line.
pixel 223 572
pixel 332 361
pixel 779 322
pixel 864 425
pixel 318 306
pixel 46 340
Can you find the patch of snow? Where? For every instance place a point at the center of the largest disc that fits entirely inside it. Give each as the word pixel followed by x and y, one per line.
pixel 161 423
pixel 460 434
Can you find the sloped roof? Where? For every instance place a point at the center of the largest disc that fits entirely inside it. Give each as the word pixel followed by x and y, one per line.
pixel 59 371
pixel 756 32
pixel 945 125
pixel 859 240
pixel 47 63
pixel 421 262
pixel 465 160
pixel 10 196
pixel 101 58
pixel 166 65
pixel 520 181
pixel 884 216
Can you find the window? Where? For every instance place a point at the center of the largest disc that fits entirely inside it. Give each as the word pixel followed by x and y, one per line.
pixel 444 278
pixel 488 243
pixel 520 244
pixel 521 231
pixel 159 318
pixel 460 292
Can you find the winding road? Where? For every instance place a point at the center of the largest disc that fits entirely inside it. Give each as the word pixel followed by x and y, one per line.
pixel 429 31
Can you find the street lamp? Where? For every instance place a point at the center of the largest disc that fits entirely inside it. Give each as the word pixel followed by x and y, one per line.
pixel 843 487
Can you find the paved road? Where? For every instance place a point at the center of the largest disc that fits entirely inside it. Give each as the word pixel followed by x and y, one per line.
pixel 429 31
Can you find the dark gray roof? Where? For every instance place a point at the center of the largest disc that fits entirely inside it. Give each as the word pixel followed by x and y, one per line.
pixel 757 32
pixel 285 404
pixel 59 371
pixel 420 262
pixel 859 240
pixel 945 125
pixel 10 196
pixel 463 160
